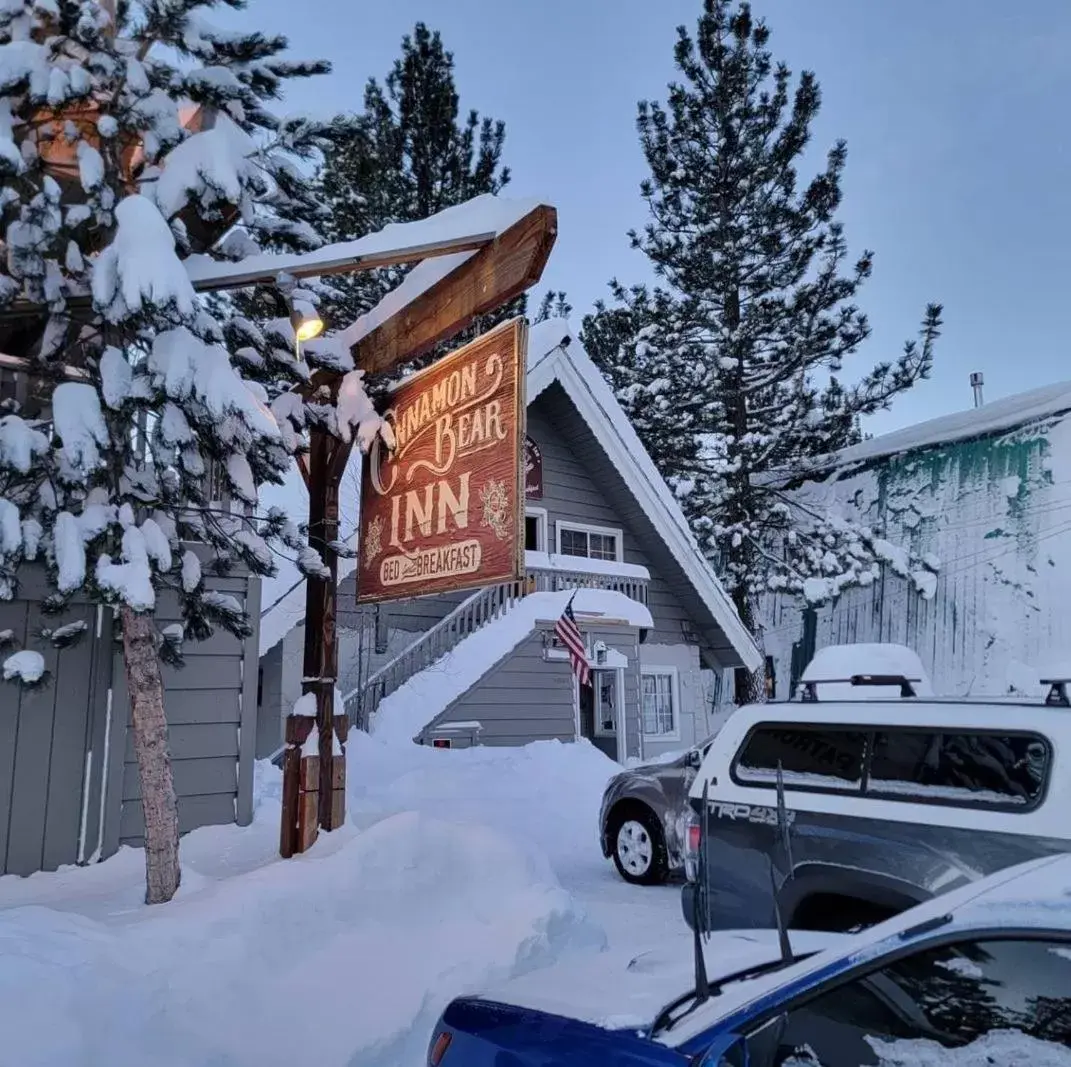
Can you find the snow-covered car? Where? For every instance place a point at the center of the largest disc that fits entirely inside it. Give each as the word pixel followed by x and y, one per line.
pixel 979 976
pixel 889 802
pixel 642 819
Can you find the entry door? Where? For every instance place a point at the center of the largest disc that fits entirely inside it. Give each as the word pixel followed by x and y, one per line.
pixel 599 711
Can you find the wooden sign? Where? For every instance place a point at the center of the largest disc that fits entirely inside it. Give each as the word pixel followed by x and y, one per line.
pixel 533 470
pixel 444 508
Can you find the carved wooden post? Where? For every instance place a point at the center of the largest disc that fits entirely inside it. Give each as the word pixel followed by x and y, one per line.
pixel 320 669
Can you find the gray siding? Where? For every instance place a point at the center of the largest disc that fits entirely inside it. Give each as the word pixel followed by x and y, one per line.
pixel 414 615
pixel 524 698
pixel 993 512
pixel 280 686
pixel 69 788
pixel 573 491
pixel 45 734
pixel 527 698
pixel 695 717
pixel 205 700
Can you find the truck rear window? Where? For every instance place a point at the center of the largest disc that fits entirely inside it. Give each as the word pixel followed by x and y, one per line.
pixel 981 769
pixel 810 758
pixel 959 768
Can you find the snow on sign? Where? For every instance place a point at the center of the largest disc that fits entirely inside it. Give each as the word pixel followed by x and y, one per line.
pixel 443 508
pixel 533 470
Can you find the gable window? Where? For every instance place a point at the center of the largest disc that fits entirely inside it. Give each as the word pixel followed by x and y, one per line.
pixel 660 703
pixel 535 530
pixel 591 542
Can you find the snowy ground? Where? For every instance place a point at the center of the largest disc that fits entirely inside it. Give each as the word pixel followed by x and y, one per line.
pixel 459 871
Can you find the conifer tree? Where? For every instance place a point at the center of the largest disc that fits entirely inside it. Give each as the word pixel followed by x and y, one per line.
pixel 730 366
pixel 407 155
pixel 554 305
pixel 135 473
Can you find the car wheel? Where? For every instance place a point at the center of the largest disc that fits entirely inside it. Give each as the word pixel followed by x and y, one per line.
pixel 639 847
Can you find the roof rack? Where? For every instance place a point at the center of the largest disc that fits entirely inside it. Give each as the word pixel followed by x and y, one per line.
pixel 810 687
pixel 1057 696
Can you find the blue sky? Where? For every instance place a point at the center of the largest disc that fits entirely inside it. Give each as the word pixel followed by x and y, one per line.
pixel 955 114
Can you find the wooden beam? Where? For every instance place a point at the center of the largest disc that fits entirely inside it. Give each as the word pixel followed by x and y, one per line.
pixel 500 271
pixel 215 276
pixel 209 276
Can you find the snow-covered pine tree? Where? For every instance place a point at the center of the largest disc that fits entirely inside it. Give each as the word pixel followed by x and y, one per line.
pixel 118 162
pixel 728 367
pixel 408 155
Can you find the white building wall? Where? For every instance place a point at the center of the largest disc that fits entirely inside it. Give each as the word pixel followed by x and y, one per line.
pixel 996 515
pixel 693 707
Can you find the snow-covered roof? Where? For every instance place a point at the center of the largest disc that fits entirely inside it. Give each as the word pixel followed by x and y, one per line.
pixel 556 355
pixel 991 418
pixel 465 226
pixel 411 707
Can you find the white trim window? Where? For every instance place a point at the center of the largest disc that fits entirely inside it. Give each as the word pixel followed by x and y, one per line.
pixel 660 705
pixel 589 542
pixel 535 529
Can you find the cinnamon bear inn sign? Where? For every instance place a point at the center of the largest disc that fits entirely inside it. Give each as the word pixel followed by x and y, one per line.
pixel 443 508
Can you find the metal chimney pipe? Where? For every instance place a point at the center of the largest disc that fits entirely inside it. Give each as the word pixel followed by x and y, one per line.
pixel 976 385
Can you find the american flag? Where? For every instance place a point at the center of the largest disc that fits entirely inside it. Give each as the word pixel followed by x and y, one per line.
pixel 569 634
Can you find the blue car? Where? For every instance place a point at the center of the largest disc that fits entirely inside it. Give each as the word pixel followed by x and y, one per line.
pixel 985 970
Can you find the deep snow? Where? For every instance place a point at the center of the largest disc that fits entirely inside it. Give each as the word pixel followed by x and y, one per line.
pixel 448 878
pixel 458 871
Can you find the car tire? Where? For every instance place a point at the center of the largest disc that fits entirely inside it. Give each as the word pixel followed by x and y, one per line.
pixel 638 846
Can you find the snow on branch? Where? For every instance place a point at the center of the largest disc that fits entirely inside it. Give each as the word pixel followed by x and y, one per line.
pixel 140 269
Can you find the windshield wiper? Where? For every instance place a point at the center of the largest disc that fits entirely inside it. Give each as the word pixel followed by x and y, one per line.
pixel 666 1017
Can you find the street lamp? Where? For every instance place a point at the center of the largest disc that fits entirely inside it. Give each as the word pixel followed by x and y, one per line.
pixel 306 322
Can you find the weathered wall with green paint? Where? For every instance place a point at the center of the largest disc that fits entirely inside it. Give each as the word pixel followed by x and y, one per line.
pixel 995 513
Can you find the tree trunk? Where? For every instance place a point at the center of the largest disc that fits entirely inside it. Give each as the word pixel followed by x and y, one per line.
pixel 753 688
pixel 146 687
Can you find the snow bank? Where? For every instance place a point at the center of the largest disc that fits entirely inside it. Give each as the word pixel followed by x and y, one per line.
pixel 405 712
pixel 386 920
pixel 546 793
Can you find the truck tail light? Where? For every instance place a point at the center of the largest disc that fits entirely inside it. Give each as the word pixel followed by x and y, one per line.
pixel 692 839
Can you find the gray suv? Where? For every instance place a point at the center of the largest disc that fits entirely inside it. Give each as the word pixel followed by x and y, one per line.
pixel 881 804
pixel 643 815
